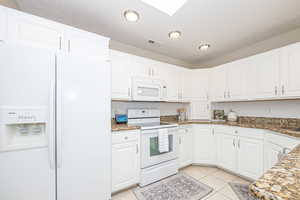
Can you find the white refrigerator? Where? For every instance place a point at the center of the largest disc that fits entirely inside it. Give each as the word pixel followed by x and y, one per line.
pixel 54 125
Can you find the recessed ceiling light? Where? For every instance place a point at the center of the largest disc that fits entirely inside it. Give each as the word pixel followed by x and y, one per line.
pixel 204 47
pixel 169 7
pixel 174 34
pixel 131 15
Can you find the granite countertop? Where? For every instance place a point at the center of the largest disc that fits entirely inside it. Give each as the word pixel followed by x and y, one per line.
pixel 281 182
pixel 284 131
pixel 122 127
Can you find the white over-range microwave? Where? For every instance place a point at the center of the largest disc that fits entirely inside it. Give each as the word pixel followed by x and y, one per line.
pixel 148 89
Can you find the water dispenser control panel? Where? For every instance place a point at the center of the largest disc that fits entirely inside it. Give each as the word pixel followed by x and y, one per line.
pixel 23 128
pixel 23 115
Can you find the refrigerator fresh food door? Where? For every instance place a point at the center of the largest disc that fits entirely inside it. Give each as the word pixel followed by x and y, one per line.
pixel 27 163
pixel 83 128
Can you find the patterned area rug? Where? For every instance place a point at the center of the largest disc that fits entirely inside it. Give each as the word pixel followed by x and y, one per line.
pixel 241 190
pixel 177 187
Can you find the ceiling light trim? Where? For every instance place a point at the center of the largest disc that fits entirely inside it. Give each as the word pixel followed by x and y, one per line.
pixel 131 15
pixel 174 34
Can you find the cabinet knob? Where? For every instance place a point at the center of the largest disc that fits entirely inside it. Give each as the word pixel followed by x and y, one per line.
pixel 126 138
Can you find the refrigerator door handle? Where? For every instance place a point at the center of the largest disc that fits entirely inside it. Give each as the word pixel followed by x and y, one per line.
pixel 51 132
pixel 58 118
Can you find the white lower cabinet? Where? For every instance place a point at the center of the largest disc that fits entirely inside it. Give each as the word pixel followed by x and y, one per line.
pixel 226 152
pixel 204 145
pixel 250 157
pixel 125 159
pixel 185 141
pixel 240 150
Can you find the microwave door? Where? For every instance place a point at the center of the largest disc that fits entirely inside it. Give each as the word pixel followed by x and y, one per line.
pixel 144 92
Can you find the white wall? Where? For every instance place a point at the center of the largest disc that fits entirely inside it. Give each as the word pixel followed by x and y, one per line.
pixel 277 109
pixel 165 108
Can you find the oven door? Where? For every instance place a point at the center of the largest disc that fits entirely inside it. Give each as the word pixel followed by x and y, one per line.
pixel 147 90
pixel 150 148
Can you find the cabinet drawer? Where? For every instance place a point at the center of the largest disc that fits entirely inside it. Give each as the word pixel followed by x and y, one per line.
pixel 124 136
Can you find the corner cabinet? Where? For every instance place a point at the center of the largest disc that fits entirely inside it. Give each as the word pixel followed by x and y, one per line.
pixel 204 142
pixel 125 159
pixel 3 23
pixel 185 140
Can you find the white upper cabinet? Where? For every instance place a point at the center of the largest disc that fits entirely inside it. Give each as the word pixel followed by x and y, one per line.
pixel 34 31
pixel 218 83
pixel 121 75
pixel 204 145
pixel 3 24
pixel 267 74
pixel 196 85
pixel 80 42
pixel 290 70
pixel 236 80
pixel 141 67
pixel 170 76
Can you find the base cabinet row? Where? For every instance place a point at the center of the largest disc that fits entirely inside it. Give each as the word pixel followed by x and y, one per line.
pixel 245 151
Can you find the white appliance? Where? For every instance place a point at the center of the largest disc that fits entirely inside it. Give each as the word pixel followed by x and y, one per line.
pixel 155 165
pixel 54 125
pixel 148 89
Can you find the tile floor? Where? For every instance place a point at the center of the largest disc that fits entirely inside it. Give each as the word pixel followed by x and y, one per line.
pixel 215 178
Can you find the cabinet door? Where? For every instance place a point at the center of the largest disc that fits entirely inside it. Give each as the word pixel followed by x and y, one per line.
pixel 170 75
pixel 3 24
pixel 196 84
pixel 227 151
pixel 218 83
pixel 84 43
pixel 185 147
pixel 125 165
pixel 250 157
pixel 200 110
pixel 267 74
pixel 141 67
pixel 236 80
pixel 29 30
pixel 204 145
pixel 290 70
pixel 121 75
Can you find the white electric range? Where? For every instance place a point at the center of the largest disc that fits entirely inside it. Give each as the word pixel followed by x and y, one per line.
pixel 154 164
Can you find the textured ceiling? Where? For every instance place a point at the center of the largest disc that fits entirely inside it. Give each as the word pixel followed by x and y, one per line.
pixel 229 26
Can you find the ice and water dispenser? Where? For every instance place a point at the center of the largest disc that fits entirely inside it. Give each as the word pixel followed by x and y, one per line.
pixel 22 128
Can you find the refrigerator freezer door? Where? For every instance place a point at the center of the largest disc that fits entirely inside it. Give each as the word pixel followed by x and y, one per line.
pixel 83 128
pixel 25 75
